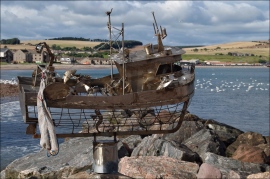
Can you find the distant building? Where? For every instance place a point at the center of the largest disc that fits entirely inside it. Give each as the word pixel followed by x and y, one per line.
pixel 216 63
pixel 85 61
pixel 22 56
pixel 6 55
pixel 66 60
pixel 195 61
pixel 100 61
pixel 94 61
pixel 36 57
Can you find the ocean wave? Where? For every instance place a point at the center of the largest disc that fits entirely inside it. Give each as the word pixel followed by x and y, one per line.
pixel 21 149
pixel 12 81
pixel 10 111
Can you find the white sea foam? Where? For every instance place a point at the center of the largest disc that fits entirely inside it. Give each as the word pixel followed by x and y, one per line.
pixel 12 81
pixel 20 149
pixel 10 111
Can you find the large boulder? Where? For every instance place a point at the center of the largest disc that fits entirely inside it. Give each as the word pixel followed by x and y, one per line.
pixel 208 171
pixel 249 138
pixel 205 141
pixel 157 167
pixel 75 155
pixel 267 139
pixel 151 146
pixel 126 145
pixel 265 148
pixel 187 129
pixel 247 153
pixel 192 124
pixel 90 175
pixel 227 134
pixel 230 167
pixel 264 175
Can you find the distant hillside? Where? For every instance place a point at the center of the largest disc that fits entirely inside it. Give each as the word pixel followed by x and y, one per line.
pixel 254 47
pixel 29 44
pixel 70 38
pixel 191 46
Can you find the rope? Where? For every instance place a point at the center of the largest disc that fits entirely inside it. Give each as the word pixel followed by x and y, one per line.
pixel 48 138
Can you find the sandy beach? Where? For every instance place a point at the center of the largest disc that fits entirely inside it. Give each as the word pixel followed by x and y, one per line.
pixel 66 66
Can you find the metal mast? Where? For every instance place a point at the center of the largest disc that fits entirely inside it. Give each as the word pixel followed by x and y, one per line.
pixel 123 48
pixel 110 31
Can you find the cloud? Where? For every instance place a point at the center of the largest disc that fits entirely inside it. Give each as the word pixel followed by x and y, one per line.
pixel 186 22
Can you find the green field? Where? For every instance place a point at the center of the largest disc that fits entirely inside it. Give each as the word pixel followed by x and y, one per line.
pixel 225 58
pixel 30 44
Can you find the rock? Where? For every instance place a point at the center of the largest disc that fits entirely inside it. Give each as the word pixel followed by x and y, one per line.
pixel 267 139
pixel 3 174
pixel 192 117
pixel 131 124
pixel 8 90
pixel 233 175
pixel 263 175
pixel 247 153
pixel 132 141
pixel 140 113
pixel 231 167
pixel 75 155
pixel 126 145
pixel 157 167
pixel 250 138
pixel 158 156
pixel 205 141
pixel 164 116
pixel 147 121
pixel 208 171
pixel 187 129
pixel 266 146
pixel 266 149
pixel 151 146
pixel 82 175
pixel 227 134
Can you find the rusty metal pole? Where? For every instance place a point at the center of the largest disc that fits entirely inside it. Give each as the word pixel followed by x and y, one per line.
pixel 155 23
pixel 123 47
pixel 110 31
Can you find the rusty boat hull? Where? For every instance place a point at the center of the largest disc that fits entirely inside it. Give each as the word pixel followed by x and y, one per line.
pixel 149 94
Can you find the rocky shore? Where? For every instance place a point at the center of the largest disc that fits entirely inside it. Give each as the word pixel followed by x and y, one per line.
pixel 8 90
pixel 199 149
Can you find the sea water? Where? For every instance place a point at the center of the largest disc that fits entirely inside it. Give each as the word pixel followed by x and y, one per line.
pixel 235 96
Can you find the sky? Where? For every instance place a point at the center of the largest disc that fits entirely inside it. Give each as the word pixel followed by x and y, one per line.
pixel 186 22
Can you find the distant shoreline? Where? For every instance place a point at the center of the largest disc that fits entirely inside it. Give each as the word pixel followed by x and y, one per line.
pixel 57 66
pixel 66 67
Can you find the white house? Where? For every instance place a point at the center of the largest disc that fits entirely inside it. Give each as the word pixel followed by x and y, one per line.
pixel 65 60
pixel 6 55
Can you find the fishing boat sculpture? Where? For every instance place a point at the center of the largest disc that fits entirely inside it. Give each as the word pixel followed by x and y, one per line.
pixel 149 94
